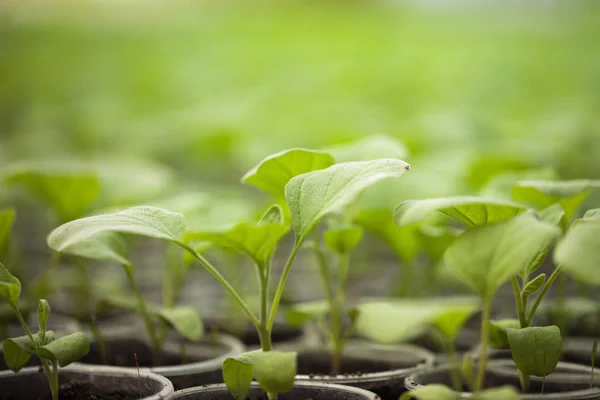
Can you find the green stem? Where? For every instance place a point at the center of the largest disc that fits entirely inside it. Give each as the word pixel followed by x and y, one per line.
pixel 519 302
pixel 263 332
pixel 98 338
pixel 281 284
pixel 539 299
pixel 485 338
pixel 226 285
pixel 524 378
pixel 454 371
pixel 54 383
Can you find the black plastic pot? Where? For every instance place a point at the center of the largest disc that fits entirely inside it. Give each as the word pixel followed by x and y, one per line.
pixel 378 368
pixel 500 373
pixel 185 363
pixel 579 350
pixel 114 383
pixel 301 391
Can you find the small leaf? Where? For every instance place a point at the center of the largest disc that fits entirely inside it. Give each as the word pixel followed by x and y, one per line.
pixel 184 319
pixel 536 262
pixel 343 240
pixel 369 148
pixel 145 221
pixel 238 372
pixel 299 314
pixel 431 392
pixel 499 393
pixel 17 352
pixel 498 335
pixel 275 371
pixel 274 172
pixel 486 257
pixel 274 215
pixel 535 350
pixel 534 285
pixel 7 217
pixel 66 349
pixel 313 195
pixel 10 287
pixel 578 253
pixel 452 317
pixel 43 314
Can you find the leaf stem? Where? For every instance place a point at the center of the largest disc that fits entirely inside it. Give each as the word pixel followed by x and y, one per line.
pixel 282 281
pixel 226 285
pixel 519 301
pixel 453 359
pixel 263 332
pixel 539 299
pixel 485 338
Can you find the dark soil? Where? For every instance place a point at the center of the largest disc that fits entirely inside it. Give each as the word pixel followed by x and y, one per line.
pixel 82 390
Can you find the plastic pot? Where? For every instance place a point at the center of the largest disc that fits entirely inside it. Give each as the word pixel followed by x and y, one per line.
pixel 114 383
pixel 555 387
pixel 185 363
pixel 579 350
pixel 378 368
pixel 301 391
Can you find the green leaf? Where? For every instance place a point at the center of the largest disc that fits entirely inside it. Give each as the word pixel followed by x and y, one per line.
pixel 274 215
pixel 238 372
pixel 470 210
pixel 7 217
pixel 452 317
pixel 256 241
pixel 17 352
pixel 104 246
pixel 542 194
pixel 10 287
pixel 431 392
pixel 274 172
pixel 69 189
pixel 120 300
pixel 592 215
pixel 299 314
pixel 436 239
pixel 369 148
pixel 466 370
pixel 184 319
pixel 499 393
pixel 404 240
pixel 43 314
pixel 534 285
pixel 535 350
pixel 578 253
pixel 313 195
pixel 552 214
pixel 394 322
pixel 536 262
pixel 145 221
pixel 485 257
pixel 275 371
pixel 343 240
pixel 498 336
pixel 66 349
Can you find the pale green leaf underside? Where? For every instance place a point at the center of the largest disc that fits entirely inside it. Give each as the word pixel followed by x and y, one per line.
pixel 185 320
pixel 145 221
pixel 67 349
pixel 105 246
pixel 470 210
pixel 300 313
pixel 535 350
pixel 452 317
pixel 592 215
pixel 275 371
pixel 485 257
pixel 313 195
pixel 578 253
pixel 369 148
pixel 431 392
pixel 274 172
pixel 499 393
pixel 238 372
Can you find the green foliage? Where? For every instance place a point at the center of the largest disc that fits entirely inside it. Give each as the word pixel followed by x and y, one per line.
pixel 17 352
pixel 592 215
pixel 452 317
pixel 273 173
pixel 104 246
pixel 299 314
pixel 471 211
pixel 485 257
pixel 369 148
pixel 184 319
pixel 535 350
pixel 578 253
pixel 7 218
pixel 499 393
pixel 313 195
pixel 498 335
pixel 431 392
pixel 65 350
pixel 534 285
pixel 343 240
pixel 275 371
pixel 10 287
pixel 43 314
pixel 238 372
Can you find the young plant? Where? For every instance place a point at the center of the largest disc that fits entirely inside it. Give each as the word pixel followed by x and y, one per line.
pixel 441 392
pixel 52 351
pixel 310 195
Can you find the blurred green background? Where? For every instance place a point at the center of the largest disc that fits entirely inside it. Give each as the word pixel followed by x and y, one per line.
pixel 202 91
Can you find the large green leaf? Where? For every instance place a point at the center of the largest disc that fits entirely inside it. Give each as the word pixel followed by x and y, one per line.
pixel 66 349
pixel 275 371
pixel 10 287
pixel 146 221
pixel 105 246
pixel 470 210
pixel 578 253
pixel 369 148
pixel 69 189
pixel 274 172
pixel 313 195
pixel 300 313
pixel 535 350
pixel 431 392
pixel 542 194
pixel 184 319
pixel 343 240
pixel 238 372
pixel 485 257
pixel 7 218
pixel 436 239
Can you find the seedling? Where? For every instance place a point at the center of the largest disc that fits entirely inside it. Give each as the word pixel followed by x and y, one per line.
pixel 309 194
pixel 593 361
pixel 52 351
pixel 441 392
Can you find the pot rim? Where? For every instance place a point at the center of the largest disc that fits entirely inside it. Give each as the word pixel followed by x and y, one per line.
pixel 298 384
pixel 410 383
pixel 428 357
pixel 98 370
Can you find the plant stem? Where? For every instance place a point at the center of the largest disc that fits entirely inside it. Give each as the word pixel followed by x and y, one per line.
pixel 99 339
pixel 54 383
pixel 263 333
pixel 281 284
pixel 539 299
pixel 226 285
pixel 524 378
pixel 453 359
pixel 485 338
pixel 519 302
